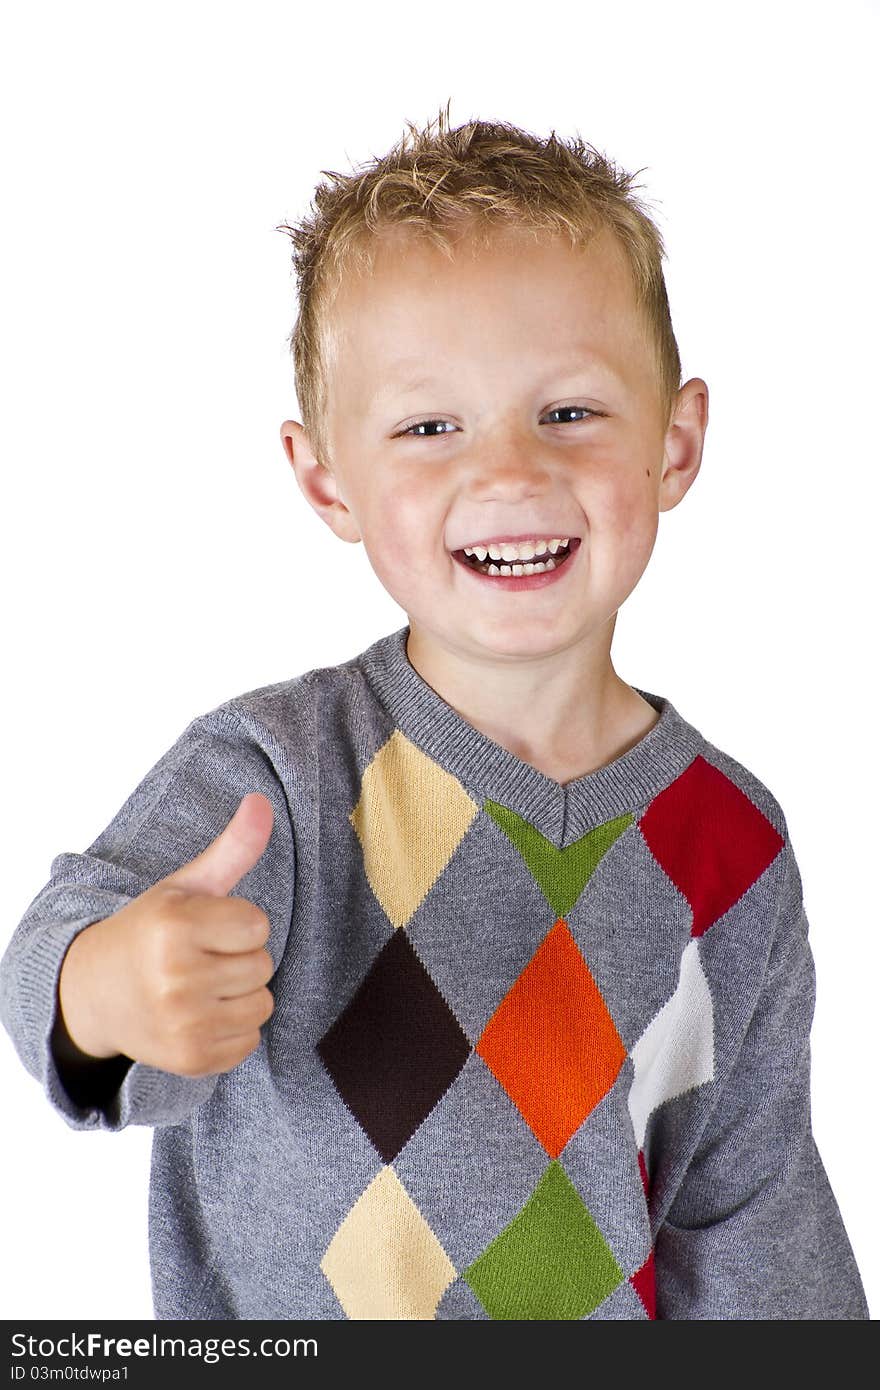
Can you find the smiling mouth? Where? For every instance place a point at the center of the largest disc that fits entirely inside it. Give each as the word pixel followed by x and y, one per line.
pixel 544 563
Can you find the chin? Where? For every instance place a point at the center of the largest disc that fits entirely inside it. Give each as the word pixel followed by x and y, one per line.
pixel 522 643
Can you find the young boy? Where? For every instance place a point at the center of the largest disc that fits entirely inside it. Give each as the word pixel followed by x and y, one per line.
pixel 461 980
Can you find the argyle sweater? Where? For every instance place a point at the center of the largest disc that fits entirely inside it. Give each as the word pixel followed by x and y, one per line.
pixel 538 1051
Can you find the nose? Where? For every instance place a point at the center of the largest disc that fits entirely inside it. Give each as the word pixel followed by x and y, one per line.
pixel 508 466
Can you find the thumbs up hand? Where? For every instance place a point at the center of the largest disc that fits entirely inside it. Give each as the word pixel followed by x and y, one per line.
pixel 177 978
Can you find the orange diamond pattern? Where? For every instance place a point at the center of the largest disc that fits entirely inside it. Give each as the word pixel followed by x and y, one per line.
pixel 552 1043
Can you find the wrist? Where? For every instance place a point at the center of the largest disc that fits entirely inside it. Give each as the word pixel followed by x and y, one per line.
pixel 80 1025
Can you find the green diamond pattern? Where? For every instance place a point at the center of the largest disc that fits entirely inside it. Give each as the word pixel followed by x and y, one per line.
pixel 551 1263
pixel 561 874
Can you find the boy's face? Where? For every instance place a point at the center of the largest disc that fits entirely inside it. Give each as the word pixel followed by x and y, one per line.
pixel 505 352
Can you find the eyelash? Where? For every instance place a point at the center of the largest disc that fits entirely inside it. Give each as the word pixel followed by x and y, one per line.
pixel 401 434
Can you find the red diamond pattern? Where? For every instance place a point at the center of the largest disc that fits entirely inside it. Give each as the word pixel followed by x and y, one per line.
pixel 710 839
pixel 644 1284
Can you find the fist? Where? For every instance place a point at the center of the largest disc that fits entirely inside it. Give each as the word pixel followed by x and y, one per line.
pixel 177 978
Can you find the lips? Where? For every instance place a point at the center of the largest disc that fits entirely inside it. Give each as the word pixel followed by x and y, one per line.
pixel 486 541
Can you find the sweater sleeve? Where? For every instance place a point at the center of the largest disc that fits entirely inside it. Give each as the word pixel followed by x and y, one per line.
pixel 754 1231
pixel 179 807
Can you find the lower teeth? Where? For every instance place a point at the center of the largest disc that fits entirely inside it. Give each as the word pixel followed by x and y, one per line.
pixel 514 571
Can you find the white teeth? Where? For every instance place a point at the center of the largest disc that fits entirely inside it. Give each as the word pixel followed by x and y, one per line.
pixel 513 570
pixel 517 558
pixel 516 551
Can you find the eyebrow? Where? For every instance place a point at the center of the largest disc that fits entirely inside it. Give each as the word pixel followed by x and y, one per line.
pixel 584 360
pixel 411 383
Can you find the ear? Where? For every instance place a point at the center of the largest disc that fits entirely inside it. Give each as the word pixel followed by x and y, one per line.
pixel 317 484
pixel 683 444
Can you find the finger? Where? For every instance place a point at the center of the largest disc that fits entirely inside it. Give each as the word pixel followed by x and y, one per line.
pixel 229 977
pixel 224 926
pixel 232 853
pixel 243 1014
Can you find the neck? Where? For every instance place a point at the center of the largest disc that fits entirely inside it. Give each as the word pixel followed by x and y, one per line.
pixel 565 712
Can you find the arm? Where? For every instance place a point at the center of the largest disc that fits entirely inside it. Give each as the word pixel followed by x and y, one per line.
pixel 173 814
pixel 754 1230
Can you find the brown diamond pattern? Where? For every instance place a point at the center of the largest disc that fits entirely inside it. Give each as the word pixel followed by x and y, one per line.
pixel 395 1049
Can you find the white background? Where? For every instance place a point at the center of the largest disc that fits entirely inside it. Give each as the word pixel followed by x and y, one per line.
pixel 158 557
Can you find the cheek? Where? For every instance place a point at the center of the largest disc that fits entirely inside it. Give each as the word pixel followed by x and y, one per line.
pixel 401 535
pixel 625 512
pixel 405 519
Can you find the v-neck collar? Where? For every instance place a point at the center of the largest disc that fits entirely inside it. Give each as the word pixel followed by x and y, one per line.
pixel 562 812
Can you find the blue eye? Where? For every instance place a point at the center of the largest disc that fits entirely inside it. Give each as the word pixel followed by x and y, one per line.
pixel 557 410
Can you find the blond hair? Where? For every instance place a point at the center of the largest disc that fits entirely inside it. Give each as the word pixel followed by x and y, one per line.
pixel 480 177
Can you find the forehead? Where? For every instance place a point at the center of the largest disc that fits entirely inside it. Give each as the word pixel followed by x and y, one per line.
pixel 416 305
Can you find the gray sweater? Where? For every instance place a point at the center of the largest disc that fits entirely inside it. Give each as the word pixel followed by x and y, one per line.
pixel 538 1051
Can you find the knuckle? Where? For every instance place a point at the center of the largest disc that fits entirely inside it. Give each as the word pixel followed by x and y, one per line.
pixel 168 906
pixel 166 936
pixel 170 989
pixel 249 910
pixel 251 919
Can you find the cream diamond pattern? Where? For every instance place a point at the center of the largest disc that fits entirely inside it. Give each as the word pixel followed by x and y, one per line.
pixel 410 818
pixel 384 1260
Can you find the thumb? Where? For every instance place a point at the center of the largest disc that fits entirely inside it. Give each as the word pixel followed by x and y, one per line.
pixel 236 849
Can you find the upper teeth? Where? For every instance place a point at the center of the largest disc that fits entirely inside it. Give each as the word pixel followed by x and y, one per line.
pixel 520 550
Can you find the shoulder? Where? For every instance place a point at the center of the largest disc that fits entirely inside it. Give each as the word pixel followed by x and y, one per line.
pixel 295 723
pixel 747 783
pixel 721 833
pixel 717 784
